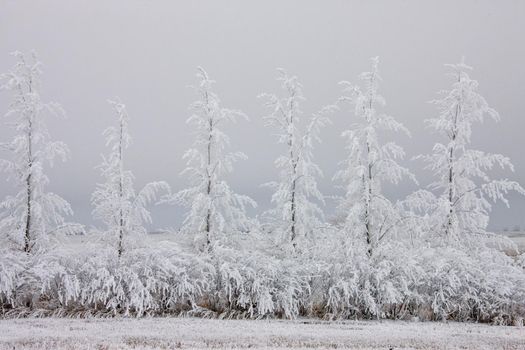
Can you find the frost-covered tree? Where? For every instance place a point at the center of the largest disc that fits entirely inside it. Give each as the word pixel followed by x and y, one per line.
pixel 215 209
pixel 32 214
pixel 296 198
pixel 368 214
pixel 115 201
pixel 462 172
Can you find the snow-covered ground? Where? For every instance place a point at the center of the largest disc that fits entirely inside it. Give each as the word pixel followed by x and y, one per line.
pixel 191 333
pixel 517 237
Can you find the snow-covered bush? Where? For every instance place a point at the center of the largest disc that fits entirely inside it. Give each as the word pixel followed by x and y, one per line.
pixel 141 282
pixel 399 281
pixel 97 282
pixel 258 285
pixel 383 286
pixel 12 264
pixel 472 285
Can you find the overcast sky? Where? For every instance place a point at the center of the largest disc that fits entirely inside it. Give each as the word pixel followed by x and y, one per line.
pixel 146 52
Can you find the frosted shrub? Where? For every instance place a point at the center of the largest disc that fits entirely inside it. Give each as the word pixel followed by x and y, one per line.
pixel 143 281
pixel 398 282
pixel 466 286
pixel 11 267
pixel 382 286
pixel 256 285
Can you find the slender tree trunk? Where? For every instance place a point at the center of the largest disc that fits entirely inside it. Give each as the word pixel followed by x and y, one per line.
pixel 451 189
pixel 208 219
pixel 292 209
pixel 368 209
pixel 368 224
pixel 121 225
pixel 121 193
pixel 450 192
pixel 29 188
pixel 293 223
pixel 209 185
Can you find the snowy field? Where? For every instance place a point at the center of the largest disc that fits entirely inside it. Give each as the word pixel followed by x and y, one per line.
pixel 518 237
pixel 79 241
pixel 190 333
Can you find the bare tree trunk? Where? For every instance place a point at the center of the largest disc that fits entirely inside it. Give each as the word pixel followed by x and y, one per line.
pixel 209 187
pixel 292 209
pixel 368 225
pixel 293 205
pixel 29 188
pixel 451 192
pixel 368 214
pixel 121 193
pixel 121 226
pixel 208 220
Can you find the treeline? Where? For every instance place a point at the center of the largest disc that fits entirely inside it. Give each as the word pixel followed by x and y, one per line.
pixel 428 256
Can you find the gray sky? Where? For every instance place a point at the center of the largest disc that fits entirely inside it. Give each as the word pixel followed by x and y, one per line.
pixel 146 53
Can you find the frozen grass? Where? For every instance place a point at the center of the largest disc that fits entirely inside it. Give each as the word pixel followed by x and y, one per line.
pixel 191 333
